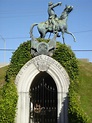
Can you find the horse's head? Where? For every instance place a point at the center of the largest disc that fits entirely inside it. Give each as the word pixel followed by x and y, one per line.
pixel 68 9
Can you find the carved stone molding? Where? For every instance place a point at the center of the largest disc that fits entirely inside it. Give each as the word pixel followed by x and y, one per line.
pixel 25 78
pixel 42 63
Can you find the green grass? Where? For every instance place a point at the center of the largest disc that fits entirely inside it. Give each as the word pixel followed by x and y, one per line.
pixel 2 75
pixel 84 89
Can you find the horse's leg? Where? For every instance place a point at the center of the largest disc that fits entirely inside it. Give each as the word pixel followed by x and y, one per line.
pixel 71 35
pixel 42 35
pixel 63 37
pixel 49 35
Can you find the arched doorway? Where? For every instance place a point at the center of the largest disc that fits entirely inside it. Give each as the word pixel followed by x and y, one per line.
pixel 43 99
pixel 26 80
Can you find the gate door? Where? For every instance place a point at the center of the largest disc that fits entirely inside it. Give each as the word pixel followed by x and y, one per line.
pixel 43 99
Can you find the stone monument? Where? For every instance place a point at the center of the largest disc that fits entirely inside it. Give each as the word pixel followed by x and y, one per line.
pixel 43 83
pixel 54 25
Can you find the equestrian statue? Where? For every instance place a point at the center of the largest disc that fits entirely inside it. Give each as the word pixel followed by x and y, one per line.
pixel 54 24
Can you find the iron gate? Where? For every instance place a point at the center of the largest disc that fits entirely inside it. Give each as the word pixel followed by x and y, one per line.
pixel 43 100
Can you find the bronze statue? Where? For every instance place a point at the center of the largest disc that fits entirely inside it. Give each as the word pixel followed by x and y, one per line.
pixel 52 16
pixel 59 23
pixel 38 48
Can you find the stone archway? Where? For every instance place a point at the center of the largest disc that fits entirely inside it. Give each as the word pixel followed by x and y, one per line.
pixel 25 77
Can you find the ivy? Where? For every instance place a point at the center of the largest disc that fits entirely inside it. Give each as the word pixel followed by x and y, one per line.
pixel 8 103
pixel 19 58
pixel 64 55
pixel 76 113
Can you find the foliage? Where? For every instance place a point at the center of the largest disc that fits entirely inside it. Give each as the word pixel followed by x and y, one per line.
pixel 85 88
pixel 2 75
pixel 76 113
pixel 8 94
pixel 19 58
pixel 8 101
pixel 64 55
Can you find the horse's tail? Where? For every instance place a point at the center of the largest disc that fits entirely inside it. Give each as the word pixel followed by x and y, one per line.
pixel 31 29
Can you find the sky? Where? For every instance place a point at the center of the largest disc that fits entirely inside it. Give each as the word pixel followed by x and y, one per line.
pixel 17 16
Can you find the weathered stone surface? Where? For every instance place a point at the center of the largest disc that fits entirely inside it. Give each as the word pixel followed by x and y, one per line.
pixel 25 78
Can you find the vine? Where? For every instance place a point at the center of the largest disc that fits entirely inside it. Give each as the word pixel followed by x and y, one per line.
pixel 64 55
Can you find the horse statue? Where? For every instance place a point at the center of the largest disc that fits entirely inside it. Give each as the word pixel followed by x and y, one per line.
pixel 60 24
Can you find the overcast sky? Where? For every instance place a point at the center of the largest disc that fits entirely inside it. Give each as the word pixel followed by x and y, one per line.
pixel 16 17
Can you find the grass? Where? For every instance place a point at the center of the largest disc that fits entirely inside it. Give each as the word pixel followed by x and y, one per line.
pixel 2 75
pixel 84 89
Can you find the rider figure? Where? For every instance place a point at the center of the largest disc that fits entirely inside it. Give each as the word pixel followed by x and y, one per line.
pixel 52 15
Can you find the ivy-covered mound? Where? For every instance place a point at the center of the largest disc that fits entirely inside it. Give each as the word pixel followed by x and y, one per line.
pixel 8 102
pixel 64 55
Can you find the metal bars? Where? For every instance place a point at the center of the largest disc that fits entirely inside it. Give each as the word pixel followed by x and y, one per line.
pixel 43 101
